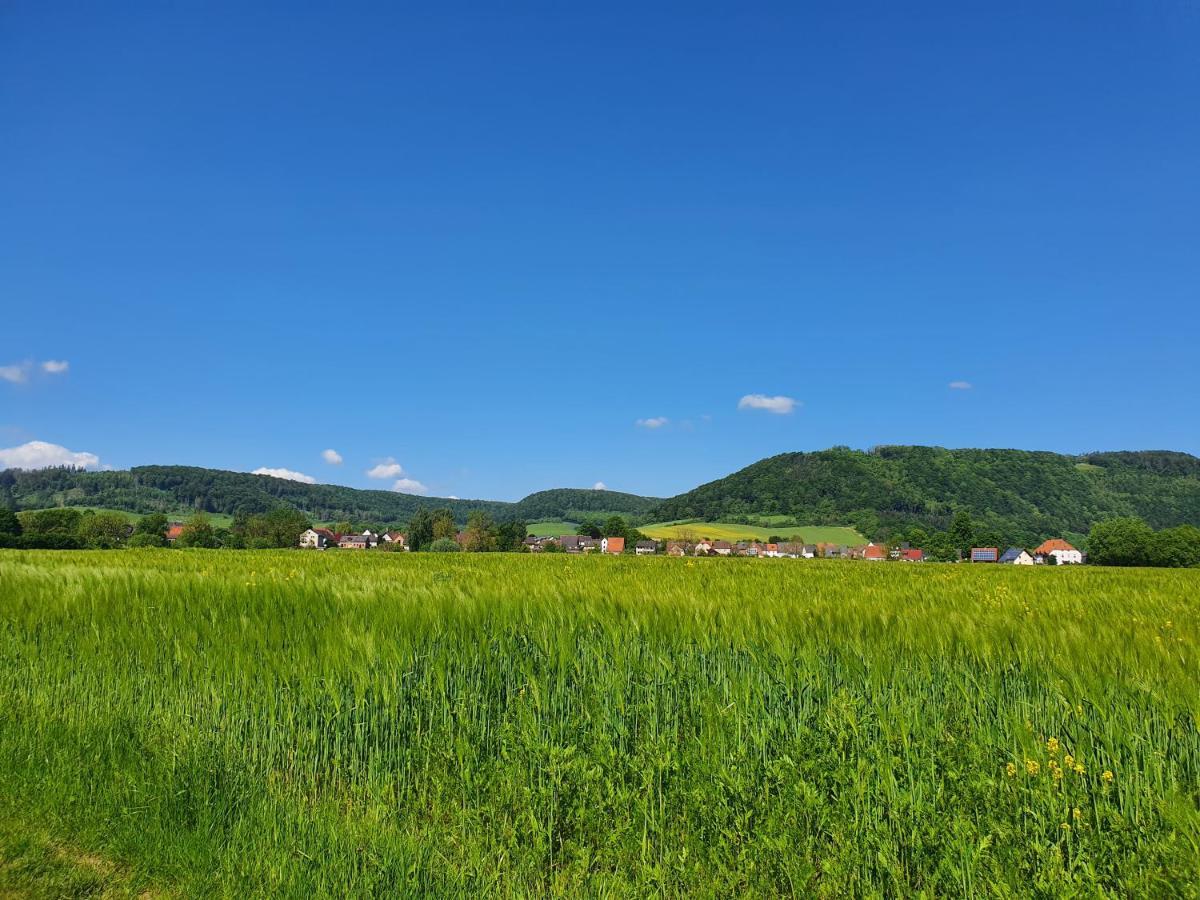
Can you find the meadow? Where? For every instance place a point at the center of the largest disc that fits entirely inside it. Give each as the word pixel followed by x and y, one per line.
pixel 248 723
pixel 725 531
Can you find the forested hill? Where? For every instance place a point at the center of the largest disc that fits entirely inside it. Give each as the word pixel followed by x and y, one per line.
pixel 1023 495
pixel 174 489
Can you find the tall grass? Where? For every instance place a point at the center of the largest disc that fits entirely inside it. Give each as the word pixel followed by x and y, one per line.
pixel 241 723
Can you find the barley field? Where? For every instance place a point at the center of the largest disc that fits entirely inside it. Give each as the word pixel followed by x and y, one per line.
pixel 223 723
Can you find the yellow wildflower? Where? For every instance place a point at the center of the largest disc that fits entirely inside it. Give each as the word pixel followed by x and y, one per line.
pixel 1077 814
pixel 1079 769
pixel 1056 772
pixel 1069 761
pixel 1107 776
pixel 1032 766
pixel 1066 827
pixel 1052 745
pixel 1010 770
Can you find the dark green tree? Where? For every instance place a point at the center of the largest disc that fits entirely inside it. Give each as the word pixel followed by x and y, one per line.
pixel 1125 541
pixel 9 523
pixel 198 532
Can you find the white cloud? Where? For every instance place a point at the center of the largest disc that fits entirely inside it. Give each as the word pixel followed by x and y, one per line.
pixel 780 406
pixel 599 486
pixel 655 422
pixel 286 474
pixel 18 373
pixel 40 455
pixel 409 486
pixel 332 457
pixel 55 366
pixel 389 468
pixel 454 497
pixel 961 385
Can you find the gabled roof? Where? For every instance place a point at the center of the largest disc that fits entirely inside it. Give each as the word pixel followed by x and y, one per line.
pixel 327 534
pixel 615 544
pixel 1011 553
pixel 722 545
pixel 174 531
pixel 1051 545
pixel 912 553
pixel 874 551
pixel 646 545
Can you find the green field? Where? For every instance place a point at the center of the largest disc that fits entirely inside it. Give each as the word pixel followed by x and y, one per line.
pixel 724 531
pixel 281 723
pixel 551 528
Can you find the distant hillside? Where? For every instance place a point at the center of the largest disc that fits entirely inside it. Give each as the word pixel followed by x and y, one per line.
pixel 173 489
pixel 1024 495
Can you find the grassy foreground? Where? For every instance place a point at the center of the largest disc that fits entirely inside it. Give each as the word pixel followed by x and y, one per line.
pixel 250 723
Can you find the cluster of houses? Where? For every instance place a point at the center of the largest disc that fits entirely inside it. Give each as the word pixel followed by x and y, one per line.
pixel 323 538
pixel 1056 550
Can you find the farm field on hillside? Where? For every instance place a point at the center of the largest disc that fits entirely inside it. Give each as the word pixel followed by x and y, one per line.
pixel 555 529
pixel 723 531
pixel 304 724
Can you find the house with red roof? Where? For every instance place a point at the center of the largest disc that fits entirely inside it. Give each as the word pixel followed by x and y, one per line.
pixel 1062 552
pixel 174 530
pixel 874 553
pixel 613 545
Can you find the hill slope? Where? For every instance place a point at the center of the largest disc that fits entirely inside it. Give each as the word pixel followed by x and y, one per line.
pixel 173 488
pixel 1025 495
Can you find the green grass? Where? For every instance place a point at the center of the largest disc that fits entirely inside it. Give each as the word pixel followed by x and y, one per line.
pixel 551 528
pixel 718 531
pixel 281 723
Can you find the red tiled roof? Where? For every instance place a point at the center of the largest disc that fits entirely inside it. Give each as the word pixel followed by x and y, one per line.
pixel 174 531
pixel 912 554
pixel 1051 545
pixel 874 552
pixel 616 545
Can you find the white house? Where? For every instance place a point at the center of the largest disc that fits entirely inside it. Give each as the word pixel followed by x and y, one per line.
pixel 1015 556
pixel 318 538
pixel 1064 554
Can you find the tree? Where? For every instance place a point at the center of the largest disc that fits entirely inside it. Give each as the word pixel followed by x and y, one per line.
pixel 1176 548
pixel 279 528
pixel 444 525
pixel 343 528
pixel 198 532
pixel 1125 541
pixel 420 530
pixel 153 525
pixel 103 530
pixel 480 536
pixel 445 545
pixel 589 528
pixel 62 521
pixel 511 536
pixel 9 523
pixel 962 531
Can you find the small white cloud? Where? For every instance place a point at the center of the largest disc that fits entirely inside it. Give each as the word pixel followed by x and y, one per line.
pixel 410 486
pixel 41 455
pixel 960 385
pixel 655 422
pixel 286 474
pixel 780 406
pixel 599 486
pixel 332 457
pixel 55 366
pixel 17 373
pixel 389 468
pixel 454 497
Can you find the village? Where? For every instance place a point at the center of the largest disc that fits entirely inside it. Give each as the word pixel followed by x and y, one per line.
pixel 1055 551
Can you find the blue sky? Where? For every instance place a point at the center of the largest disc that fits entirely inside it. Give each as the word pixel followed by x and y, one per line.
pixel 481 243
